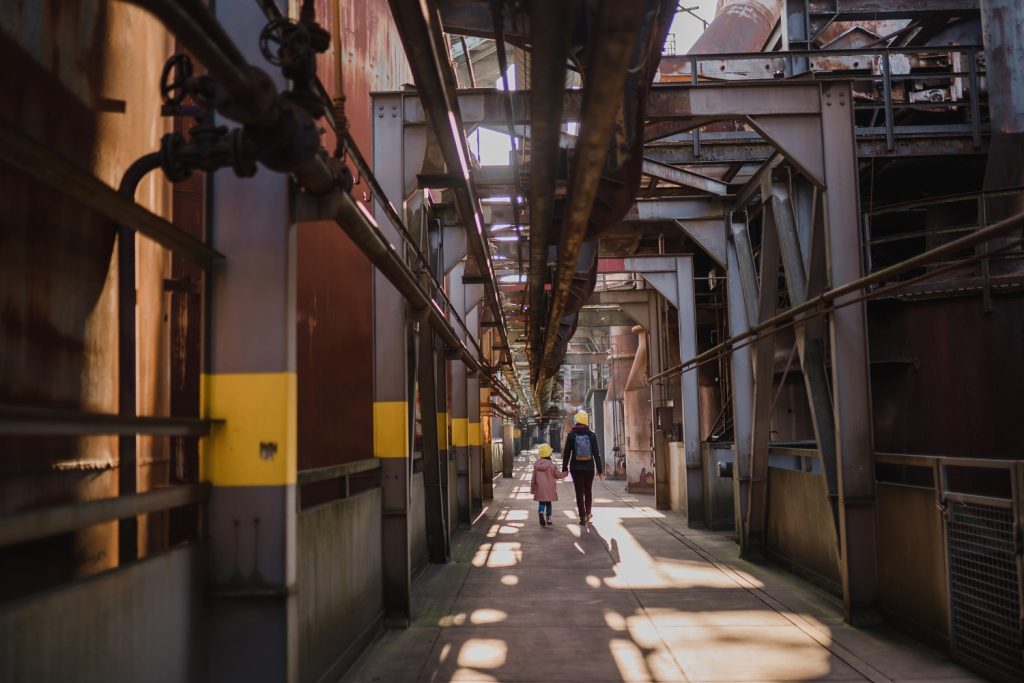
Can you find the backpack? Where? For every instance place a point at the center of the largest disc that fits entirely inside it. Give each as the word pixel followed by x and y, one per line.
pixel 582 448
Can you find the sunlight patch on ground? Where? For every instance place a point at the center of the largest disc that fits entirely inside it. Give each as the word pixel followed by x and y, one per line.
pixel 496 555
pixel 614 620
pixel 505 529
pixel 593 581
pixel 510 580
pixel 483 653
pixel 636 665
pixel 517 515
pixel 487 616
pixel 749 653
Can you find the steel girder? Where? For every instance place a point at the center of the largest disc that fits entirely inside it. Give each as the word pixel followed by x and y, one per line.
pixel 813 227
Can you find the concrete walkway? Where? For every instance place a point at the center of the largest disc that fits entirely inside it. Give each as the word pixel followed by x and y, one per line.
pixel 634 597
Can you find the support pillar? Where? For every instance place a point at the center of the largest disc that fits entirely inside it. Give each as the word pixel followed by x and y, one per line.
pixel 460 410
pixel 851 384
pixel 391 379
pixel 472 317
pixel 435 450
pixel 249 389
pixel 742 383
pixel 487 488
pixel 508 449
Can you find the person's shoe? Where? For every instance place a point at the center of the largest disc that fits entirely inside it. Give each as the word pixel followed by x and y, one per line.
pixel 550 523
pixel 583 521
pixel 540 516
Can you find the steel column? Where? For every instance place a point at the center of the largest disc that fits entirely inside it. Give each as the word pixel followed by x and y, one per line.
pixel 473 408
pixel 460 409
pixel 391 400
pixel 742 387
pixel 508 449
pixel 250 384
pixel 851 384
pixel 435 452
pixel 752 536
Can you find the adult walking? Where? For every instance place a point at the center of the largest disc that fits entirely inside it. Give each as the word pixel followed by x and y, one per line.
pixel 582 459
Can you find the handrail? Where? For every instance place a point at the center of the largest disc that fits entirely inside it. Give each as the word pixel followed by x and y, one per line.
pixel 59 519
pixel 337 471
pixel 52 169
pixel 21 421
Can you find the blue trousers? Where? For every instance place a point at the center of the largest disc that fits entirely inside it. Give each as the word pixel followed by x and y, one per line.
pixel 544 505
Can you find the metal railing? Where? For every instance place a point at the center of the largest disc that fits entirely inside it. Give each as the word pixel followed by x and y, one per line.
pixel 937 79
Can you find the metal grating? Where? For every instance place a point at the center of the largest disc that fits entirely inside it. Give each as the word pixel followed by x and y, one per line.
pixel 985 590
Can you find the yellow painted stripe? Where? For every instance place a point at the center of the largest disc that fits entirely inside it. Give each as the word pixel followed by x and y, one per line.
pixel 474 433
pixel 442 431
pixel 390 429
pixel 256 444
pixel 460 432
pixel 517 433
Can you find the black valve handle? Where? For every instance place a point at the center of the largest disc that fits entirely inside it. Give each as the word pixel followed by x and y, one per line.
pixel 174 79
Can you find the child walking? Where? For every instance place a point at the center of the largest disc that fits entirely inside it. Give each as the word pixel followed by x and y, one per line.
pixel 543 486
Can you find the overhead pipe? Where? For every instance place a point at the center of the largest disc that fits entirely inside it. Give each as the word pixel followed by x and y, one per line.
pixel 606 73
pixel 739 26
pixel 255 100
pixel 618 180
pixel 550 31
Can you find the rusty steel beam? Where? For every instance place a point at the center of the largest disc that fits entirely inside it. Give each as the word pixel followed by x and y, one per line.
pixel 617 27
pixel 550 22
pixel 881 10
pixel 419 27
pixel 683 177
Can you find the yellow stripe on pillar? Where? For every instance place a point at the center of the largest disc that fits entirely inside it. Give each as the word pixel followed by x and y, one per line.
pixel 253 441
pixel 460 432
pixel 390 429
pixel 474 433
pixel 442 431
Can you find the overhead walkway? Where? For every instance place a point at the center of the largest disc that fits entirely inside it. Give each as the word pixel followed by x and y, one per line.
pixel 635 597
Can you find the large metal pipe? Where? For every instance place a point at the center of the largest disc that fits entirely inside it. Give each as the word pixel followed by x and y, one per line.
pixel 550 25
pixel 607 69
pixel 739 26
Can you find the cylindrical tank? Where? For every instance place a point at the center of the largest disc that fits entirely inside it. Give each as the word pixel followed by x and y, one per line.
pixel 739 26
pixel 637 409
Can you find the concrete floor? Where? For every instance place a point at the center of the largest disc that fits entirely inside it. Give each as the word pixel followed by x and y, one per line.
pixel 635 597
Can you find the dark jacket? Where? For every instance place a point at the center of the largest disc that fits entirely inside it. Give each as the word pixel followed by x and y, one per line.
pixel 568 451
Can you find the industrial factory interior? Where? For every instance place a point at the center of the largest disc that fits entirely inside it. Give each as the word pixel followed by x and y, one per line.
pixel 309 307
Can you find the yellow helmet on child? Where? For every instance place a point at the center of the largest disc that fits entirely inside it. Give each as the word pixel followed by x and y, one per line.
pixel 544 451
pixel 582 418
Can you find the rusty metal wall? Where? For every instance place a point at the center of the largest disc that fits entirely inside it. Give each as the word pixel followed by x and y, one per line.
pixel 798 532
pixel 948 378
pixel 81 78
pixel 912 562
pixel 335 312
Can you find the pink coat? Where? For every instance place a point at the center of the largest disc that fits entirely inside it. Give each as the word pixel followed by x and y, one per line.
pixel 543 487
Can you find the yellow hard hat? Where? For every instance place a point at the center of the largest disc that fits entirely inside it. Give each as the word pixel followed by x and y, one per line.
pixel 582 418
pixel 544 451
